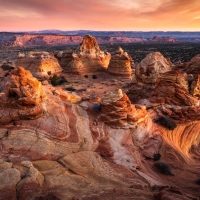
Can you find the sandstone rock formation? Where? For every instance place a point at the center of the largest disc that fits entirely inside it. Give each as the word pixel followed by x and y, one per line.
pixel 193 66
pixel 39 63
pixel 120 64
pixel 117 110
pixel 146 74
pixel 88 58
pixel 22 98
pixel 107 150
pixel 172 88
pixel 64 57
pixel 150 68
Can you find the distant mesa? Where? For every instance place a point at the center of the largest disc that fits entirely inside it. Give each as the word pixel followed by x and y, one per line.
pixel 120 64
pixel 164 39
pixel 41 64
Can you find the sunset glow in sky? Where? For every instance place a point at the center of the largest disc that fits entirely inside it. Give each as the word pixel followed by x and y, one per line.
pixel 128 15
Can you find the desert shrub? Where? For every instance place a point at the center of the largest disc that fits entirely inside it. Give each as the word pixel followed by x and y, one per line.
pixel 96 108
pixel 156 157
pixel 70 89
pixel 24 175
pixel 8 160
pixel 94 76
pixel 57 80
pixel 86 76
pixel 163 168
pixel 166 121
pixel 7 67
pixel 49 73
pixel 197 181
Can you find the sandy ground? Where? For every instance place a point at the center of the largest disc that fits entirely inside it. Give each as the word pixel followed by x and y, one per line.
pixel 90 88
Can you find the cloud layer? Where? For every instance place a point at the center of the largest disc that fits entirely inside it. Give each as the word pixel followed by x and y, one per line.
pixel 100 15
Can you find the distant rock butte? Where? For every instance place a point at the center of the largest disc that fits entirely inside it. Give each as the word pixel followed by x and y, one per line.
pixel 120 64
pixel 39 63
pixel 117 110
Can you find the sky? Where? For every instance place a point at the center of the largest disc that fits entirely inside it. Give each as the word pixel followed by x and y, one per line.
pixel 110 15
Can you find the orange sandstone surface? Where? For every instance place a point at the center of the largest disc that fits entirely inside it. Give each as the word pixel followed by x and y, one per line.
pixel 95 143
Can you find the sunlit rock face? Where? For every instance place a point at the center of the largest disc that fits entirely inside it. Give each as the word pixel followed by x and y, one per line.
pixel 64 57
pixel 40 64
pixel 117 110
pixel 172 88
pixel 91 58
pixel 146 74
pixel 150 68
pixel 193 66
pixel 22 97
pixel 120 64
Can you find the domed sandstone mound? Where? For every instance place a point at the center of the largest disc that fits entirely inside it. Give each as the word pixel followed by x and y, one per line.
pixel 40 64
pixel 150 68
pixel 146 74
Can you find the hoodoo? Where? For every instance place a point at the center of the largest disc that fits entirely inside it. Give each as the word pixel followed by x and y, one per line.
pixel 120 64
pixel 91 57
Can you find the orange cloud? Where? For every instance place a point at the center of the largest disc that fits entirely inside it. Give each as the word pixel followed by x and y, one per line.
pixel 100 15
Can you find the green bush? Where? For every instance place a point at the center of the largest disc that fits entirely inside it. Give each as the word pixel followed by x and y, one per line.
pixel 197 181
pixel 166 121
pixel 163 168
pixel 70 89
pixel 94 76
pixel 6 67
pixel 156 157
pixel 57 80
